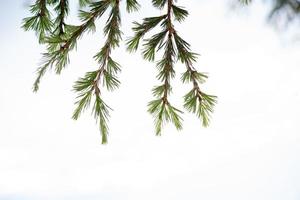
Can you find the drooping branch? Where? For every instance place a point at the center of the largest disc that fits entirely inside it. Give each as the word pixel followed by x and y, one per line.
pixel 160 108
pixel 195 101
pixel 175 47
pixel 105 76
pixel 59 47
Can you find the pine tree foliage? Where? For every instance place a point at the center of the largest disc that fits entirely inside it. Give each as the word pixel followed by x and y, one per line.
pixel 89 85
pixel 174 48
pixel 48 20
pixel 286 11
pixel 83 3
pixel 40 22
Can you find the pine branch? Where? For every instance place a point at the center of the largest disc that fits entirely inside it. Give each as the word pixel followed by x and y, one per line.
pixel 59 47
pixel 141 29
pixel 195 101
pixel 90 85
pixel 87 89
pixel 40 22
pixel 166 112
pixel 174 47
pixel 160 108
pixel 62 10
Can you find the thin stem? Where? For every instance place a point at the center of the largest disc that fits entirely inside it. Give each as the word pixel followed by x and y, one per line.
pixel 108 45
pixel 43 4
pixel 168 67
pixel 62 5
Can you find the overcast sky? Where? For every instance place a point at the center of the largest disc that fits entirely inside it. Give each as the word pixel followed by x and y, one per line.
pixel 250 151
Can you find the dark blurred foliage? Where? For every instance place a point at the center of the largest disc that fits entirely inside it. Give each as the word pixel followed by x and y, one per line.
pixel 285 11
pixel 281 11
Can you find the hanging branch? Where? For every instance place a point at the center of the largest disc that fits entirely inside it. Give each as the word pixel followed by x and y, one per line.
pixel 59 48
pixel 195 100
pixel 174 47
pixel 61 31
pixel 160 108
pixel 40 22
pixel 89 86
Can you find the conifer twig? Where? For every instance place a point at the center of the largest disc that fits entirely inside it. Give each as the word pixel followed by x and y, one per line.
pixel 40 22
pixel 59 47
pixel 160 108
pixel 105 76
pixel 195 101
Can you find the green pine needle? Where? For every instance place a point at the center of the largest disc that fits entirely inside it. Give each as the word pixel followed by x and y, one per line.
pixel 201 104
pixel 163 112
pixel 159 3
pixel 132 5
pixel 179 13
pixel 101 114
pixel 83 3
pixel 141 29
pixel 40 22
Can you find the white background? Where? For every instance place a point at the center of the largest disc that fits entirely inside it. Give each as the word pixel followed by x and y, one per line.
pixel 250 151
